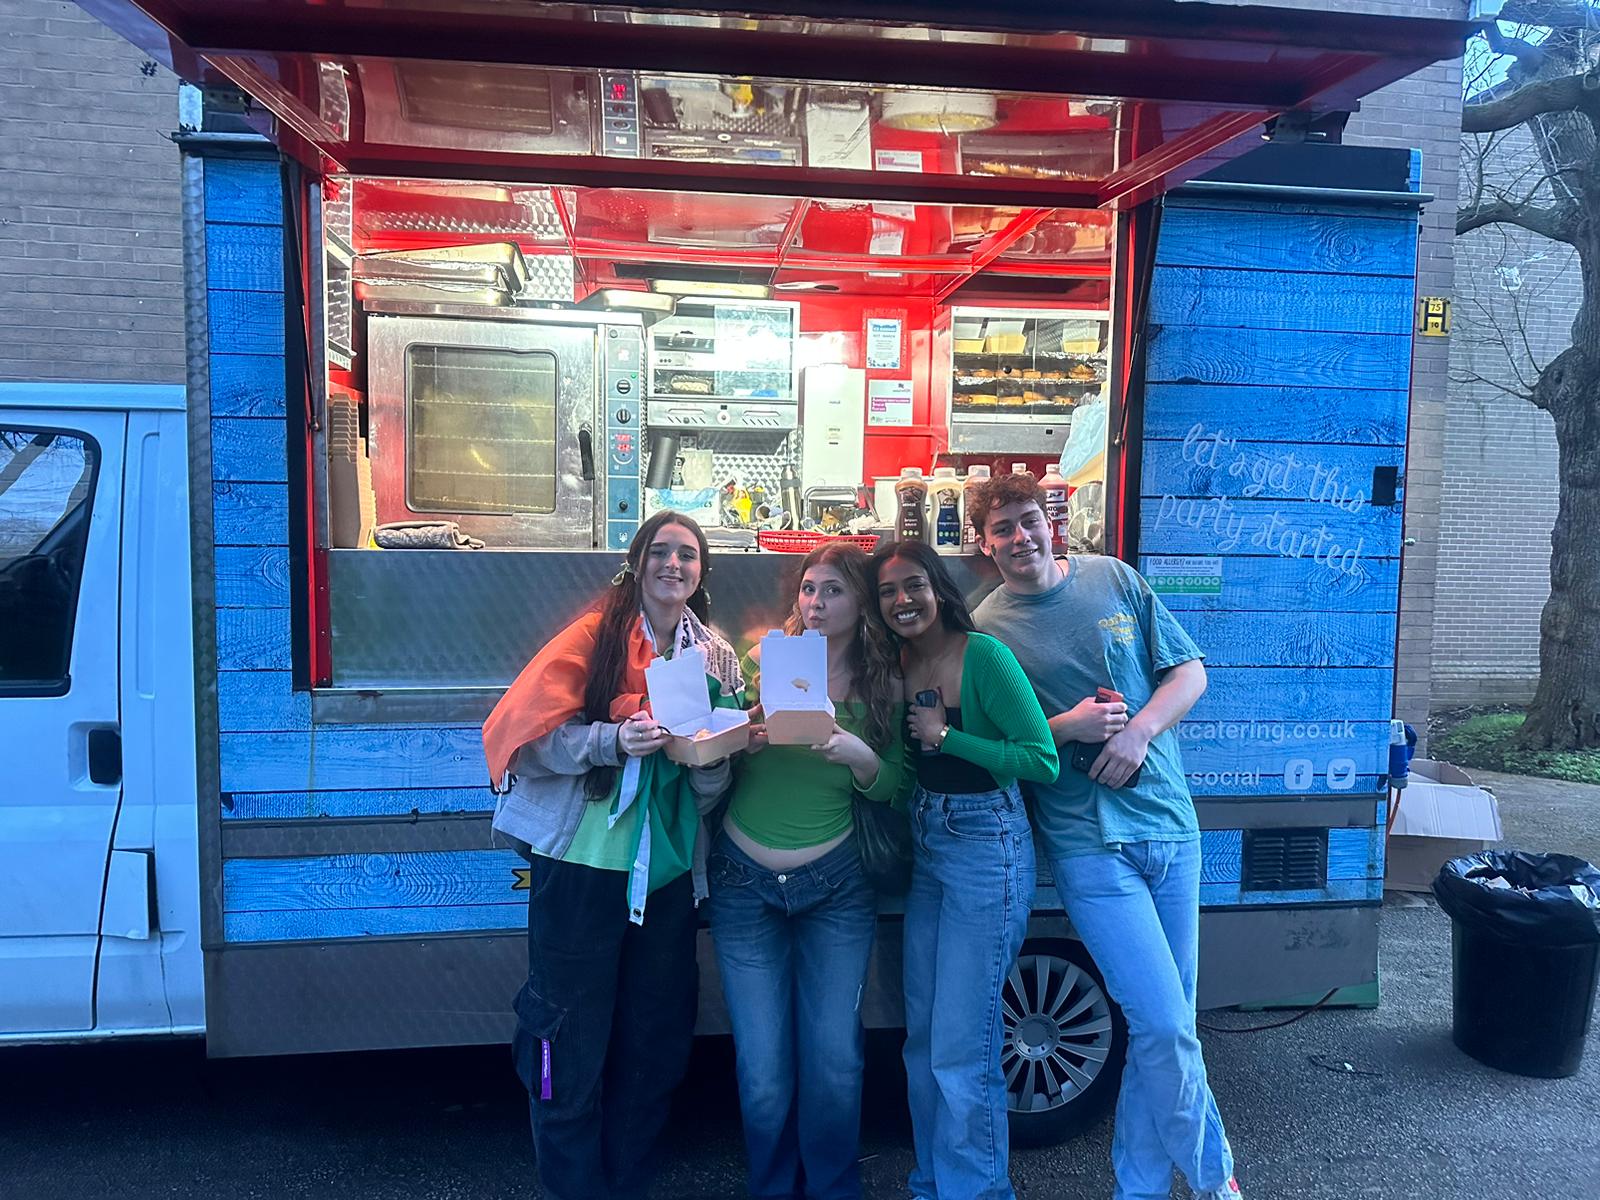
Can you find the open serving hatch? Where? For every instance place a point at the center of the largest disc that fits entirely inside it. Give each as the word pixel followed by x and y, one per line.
pixel 1100 103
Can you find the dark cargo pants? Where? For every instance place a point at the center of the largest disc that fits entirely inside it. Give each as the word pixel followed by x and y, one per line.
pixel 604 1026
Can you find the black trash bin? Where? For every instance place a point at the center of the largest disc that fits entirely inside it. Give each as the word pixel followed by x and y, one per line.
pixel 1525 955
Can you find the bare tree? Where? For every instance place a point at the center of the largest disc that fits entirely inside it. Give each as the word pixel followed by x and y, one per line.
pixel 1549 53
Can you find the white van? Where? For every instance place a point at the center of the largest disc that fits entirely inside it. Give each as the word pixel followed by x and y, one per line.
pixel 99 884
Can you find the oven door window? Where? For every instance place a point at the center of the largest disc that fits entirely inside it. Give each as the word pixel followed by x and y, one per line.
pixel 481 429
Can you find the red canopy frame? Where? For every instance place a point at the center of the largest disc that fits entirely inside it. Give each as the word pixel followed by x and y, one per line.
pixel 1196 80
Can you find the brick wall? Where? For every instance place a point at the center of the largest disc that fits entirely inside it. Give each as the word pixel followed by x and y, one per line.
pixel 1516 296
pixel 91 255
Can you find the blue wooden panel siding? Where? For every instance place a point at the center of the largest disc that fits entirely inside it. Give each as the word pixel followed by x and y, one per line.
pixel 1278 585
pixel 250 514
pixel 1279 414
pixel 1214 296
pixel 355 802
pixel 1355 870
pixel 1264 240
pixel 253 639
pixel 1341 538
pixel 1278 380
pixel 260 700
pixel 245 322
pixel 1277 357
pixel 1338 891
pixel 1288 754
pixel 1293 639
pixel 248 449
pixel 1212 461
pixel 252 576
pixel 356 895
pixel 1306 693
pixel 243 191
pixel 244 258
pixel 247 385
pixel 354 756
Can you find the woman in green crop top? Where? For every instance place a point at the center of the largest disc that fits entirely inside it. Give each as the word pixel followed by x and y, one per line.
pixel 975 728
pixel 792 916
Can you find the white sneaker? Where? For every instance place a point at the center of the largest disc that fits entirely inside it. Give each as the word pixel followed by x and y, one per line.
pixel 1228 1191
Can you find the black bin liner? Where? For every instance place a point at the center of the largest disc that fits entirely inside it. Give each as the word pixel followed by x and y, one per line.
pixel 1525 955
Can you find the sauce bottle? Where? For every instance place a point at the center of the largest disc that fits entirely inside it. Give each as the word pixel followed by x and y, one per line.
pixel 969 532
pixel 945 497
pixel 911 524
pixel 1056 494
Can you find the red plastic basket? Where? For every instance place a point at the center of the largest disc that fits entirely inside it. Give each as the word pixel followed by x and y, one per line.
pixel 794 541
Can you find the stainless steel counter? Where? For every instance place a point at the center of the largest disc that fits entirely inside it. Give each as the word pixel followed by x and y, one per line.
pixel 457 622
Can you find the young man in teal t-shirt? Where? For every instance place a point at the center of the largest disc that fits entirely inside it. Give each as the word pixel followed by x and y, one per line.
pixel 1125 854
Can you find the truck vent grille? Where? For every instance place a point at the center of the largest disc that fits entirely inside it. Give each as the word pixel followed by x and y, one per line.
pixel 1284 860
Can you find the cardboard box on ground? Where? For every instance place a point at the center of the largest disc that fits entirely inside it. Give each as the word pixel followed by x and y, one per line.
pixel 794 689
pixel 680 699
pixel 1441 814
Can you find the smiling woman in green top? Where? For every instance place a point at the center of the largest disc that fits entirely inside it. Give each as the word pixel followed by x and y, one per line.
pixel 792 915
pixel 976 729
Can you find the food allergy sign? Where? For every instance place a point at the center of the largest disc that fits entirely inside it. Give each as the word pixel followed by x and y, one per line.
pixel 883 344
pixel 889 402
pixel 1184 575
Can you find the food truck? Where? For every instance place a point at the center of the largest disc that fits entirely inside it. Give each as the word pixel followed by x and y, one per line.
pixel 475 285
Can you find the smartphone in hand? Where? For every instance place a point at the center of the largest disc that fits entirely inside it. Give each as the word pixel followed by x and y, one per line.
pixel 1084 753
pixel 927 698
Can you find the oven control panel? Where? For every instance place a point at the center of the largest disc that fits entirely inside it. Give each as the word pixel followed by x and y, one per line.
pixel 621 352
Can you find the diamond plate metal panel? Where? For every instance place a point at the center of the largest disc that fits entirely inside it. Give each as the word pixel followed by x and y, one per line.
pixel 550 277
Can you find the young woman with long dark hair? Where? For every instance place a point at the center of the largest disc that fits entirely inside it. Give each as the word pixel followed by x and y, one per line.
pixel 792 915
pixel 976 729
pixel 611 830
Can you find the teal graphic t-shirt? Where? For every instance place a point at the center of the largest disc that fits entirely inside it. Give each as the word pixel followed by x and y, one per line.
pixel 1101 626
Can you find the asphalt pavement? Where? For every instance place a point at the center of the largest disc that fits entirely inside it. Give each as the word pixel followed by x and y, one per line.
pixel 1337 1105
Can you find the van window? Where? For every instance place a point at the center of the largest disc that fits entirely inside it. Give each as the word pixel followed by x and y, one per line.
pixel 46 494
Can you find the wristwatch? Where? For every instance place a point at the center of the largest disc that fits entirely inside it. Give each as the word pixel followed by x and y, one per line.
pixel 943 733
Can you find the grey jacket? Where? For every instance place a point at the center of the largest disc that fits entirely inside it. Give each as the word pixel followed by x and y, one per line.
pixel 541 812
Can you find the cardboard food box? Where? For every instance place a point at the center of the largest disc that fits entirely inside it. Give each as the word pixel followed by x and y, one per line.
pixel 680 700
pixel 1441 815
pixel 794 689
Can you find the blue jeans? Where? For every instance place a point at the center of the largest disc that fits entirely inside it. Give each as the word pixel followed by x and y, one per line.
pixel 1138 912
pixel 793 949
pixel 972 885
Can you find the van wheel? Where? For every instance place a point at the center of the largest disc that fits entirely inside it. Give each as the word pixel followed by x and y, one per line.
pixel 1064 1043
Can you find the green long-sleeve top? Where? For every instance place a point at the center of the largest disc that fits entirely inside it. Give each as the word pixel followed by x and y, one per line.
pixel 789 797
pixel 1003 729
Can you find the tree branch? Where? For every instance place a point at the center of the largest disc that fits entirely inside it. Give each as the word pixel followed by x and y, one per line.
pixel 1552 14
pixel 1553 223
pixel 1529 56
pixel 1566 93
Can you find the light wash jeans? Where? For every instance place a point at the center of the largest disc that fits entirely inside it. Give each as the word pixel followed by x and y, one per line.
pixel 1138 912
pixel 972 883
pixel 793 949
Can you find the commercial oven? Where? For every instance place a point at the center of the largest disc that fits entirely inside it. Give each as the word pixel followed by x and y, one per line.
pixel 521 425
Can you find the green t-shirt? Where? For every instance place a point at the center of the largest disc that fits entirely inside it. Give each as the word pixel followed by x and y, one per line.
pixel 789 798
pixel 1101 626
